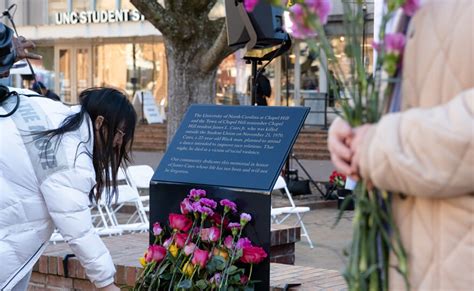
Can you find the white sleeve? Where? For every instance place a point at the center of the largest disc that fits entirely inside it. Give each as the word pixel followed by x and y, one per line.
pixel 66 196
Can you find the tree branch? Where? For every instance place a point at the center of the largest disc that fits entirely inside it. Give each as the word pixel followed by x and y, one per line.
pixel 156 14
pixel 219 51
pixel 199 6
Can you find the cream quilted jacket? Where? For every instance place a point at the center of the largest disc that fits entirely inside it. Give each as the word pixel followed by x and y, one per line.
pixel 427 151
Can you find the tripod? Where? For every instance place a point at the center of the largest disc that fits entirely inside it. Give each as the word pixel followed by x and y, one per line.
pixel 324 194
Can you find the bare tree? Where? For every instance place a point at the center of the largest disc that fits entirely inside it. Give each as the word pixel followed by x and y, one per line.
pixel 195 46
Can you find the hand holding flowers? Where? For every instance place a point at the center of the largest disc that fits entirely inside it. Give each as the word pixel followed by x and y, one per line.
pixel 364 99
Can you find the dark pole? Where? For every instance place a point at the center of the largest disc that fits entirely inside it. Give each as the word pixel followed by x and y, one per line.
pixel 287 82
pixel 143 109
pixel 254 81
pixel 134 78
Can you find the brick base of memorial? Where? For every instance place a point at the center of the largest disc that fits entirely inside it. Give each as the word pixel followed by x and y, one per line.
pixel 48 273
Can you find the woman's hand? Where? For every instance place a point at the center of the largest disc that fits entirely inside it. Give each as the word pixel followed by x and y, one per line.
pixel 360 134
pixel 110 287
pixel 339 142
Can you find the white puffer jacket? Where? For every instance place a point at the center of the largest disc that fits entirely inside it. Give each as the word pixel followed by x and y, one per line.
pixel 41 191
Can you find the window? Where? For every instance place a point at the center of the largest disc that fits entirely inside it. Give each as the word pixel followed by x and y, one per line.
pixel 105 5
pixel 56 6
pixel 81 5
pixel 125 4
pixel 114 65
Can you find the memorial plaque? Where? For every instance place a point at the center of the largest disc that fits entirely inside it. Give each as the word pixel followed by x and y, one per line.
pixel 242 147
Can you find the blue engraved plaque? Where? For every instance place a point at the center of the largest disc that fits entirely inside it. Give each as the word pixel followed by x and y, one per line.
pixel 239 147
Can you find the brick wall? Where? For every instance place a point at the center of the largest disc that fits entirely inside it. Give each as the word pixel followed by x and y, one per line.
pixel 48 274
pixel 282 243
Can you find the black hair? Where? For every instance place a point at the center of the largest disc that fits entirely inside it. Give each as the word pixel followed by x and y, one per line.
pixel 117 111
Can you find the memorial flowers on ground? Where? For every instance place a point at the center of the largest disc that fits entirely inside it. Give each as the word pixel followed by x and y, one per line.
pixel 201 248
pixel 365 96
pixel 337 180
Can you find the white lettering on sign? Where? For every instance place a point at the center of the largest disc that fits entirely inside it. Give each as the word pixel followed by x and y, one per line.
pixel 103 16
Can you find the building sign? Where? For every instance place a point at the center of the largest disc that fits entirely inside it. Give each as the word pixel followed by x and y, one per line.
pixel 103 16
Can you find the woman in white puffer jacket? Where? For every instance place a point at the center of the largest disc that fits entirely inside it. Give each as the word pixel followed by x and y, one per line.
pixel 53 161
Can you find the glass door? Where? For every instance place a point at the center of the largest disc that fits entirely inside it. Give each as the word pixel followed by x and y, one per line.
pixel 73 67
pixel 63 86
pixel 83 67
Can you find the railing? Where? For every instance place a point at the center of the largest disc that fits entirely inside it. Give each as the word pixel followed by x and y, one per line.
pixel 318 102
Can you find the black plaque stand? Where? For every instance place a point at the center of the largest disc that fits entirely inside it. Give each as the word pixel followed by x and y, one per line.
pixel 165 199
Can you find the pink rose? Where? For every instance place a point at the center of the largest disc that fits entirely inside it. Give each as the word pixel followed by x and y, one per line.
pixel 250 5
pixel 394 42
pixel 189 248
pixel 252 255
pixel 168 242
pixel 180 239
pixel 200 258
pixel 205 234
pixel 155 253
pixel 179 222
pixel 243 243
pixel 157 230
pixel 210 234
pixel 410 7
pixel 214 234
pixel 228 242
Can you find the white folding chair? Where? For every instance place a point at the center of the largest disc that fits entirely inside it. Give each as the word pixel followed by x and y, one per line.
pixel 99 221
pixel 139 178
pixel 140 175
pixel 280 214
pixel 127 195
pixel 102 223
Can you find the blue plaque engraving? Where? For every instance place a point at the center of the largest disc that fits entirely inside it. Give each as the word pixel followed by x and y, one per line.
pixel 242 147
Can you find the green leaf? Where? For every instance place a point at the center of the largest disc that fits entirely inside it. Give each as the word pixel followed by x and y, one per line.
pixel 185 284
pixel 232 270
pixel 235 278
pixel 249 287
pixel 166 276
pixel 162 268
pixel 211 266
pixel 220 263
pixel 201 284
pixel 238 254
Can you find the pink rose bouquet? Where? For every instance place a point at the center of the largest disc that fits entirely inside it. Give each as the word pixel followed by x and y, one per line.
pixel 202 248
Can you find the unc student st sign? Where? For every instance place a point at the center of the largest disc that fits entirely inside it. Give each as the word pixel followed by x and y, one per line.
pixel 102 16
